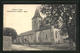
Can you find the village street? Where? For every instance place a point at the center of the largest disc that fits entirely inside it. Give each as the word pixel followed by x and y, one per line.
pixel 32 47
pixel 21 47
pixel 36 47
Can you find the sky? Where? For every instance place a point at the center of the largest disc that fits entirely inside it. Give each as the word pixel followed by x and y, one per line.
pixel 19 16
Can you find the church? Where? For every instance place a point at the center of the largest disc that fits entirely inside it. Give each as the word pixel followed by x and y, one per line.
pixel 45 33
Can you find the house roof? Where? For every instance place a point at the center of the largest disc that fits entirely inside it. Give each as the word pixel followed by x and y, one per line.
pixel 27 33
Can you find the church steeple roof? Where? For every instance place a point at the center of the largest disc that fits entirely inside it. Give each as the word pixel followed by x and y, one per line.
pixel 36 14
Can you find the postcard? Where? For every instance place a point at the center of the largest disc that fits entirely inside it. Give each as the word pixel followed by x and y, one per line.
pixel 39 27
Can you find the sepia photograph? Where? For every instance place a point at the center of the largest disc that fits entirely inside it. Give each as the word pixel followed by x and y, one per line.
pixel 39 27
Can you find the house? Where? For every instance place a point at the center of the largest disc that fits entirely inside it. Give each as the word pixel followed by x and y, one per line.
pixel 27 37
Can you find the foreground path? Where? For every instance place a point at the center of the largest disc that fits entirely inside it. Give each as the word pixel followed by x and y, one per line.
pixel 33 47
pixel 42 47
pixel 21 47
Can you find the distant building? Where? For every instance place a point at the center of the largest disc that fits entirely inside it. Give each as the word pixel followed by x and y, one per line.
pixel 26 37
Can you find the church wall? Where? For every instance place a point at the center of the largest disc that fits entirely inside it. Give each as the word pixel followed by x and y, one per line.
pixel 44 36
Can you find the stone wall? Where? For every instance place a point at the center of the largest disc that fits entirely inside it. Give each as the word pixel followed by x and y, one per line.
pixel 7 42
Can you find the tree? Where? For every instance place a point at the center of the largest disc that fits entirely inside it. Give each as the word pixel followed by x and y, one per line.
pixel 10 32
pixel 64 11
